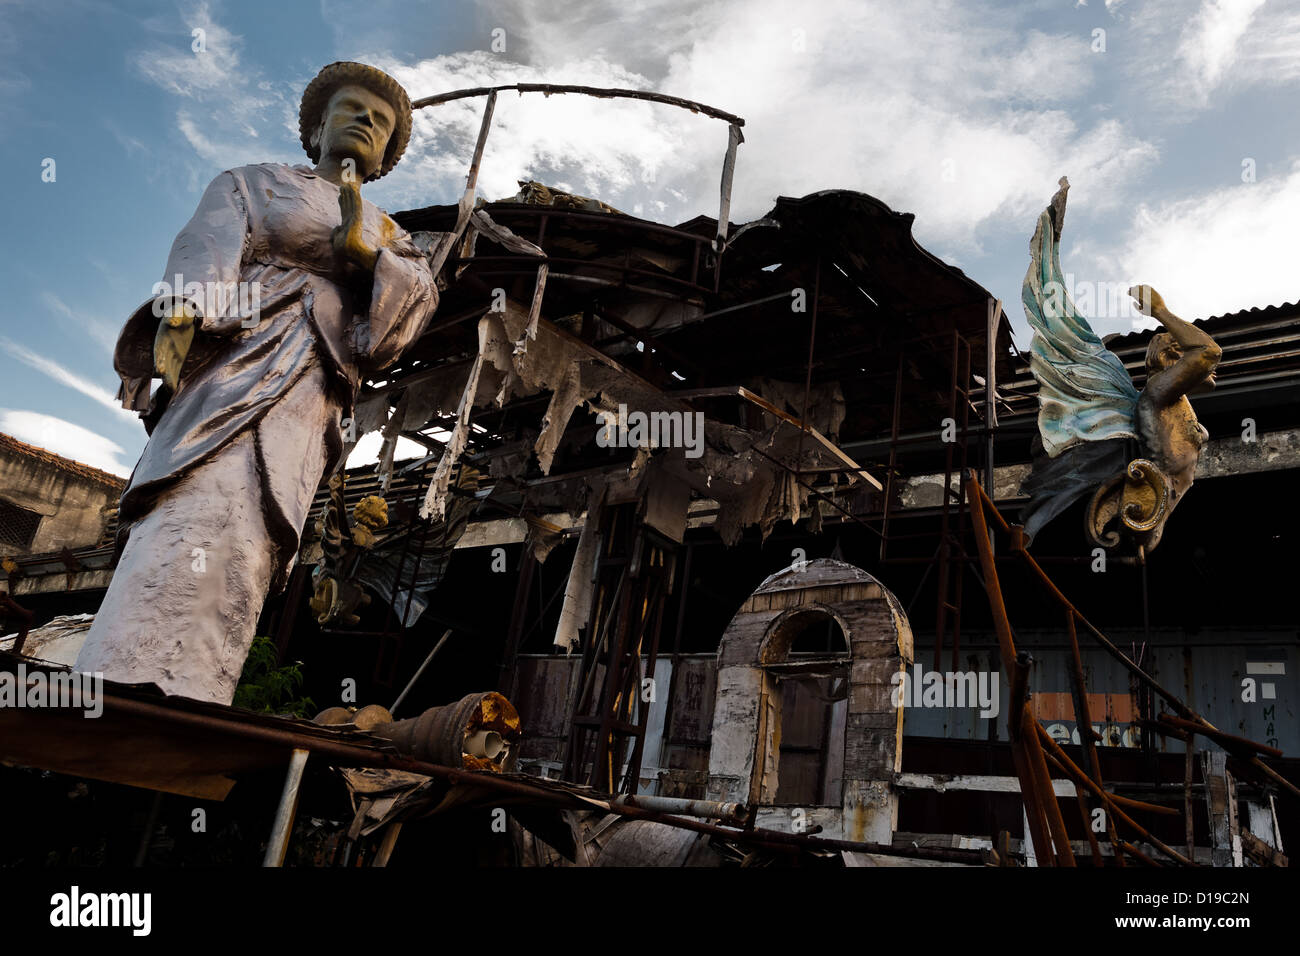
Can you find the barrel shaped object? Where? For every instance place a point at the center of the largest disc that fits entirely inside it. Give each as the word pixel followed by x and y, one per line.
pixel 480 731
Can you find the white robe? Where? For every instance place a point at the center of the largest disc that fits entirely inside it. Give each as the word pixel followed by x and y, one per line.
pixel 211 518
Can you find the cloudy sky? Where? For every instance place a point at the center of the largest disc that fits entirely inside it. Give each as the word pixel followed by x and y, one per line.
pixel 1176 121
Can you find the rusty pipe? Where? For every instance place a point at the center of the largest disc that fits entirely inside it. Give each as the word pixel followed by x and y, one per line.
pixel 1062 760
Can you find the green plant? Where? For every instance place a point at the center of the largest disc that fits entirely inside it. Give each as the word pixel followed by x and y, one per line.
pixel 269 689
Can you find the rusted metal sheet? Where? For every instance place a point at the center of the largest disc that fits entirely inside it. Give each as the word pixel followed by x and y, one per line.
pixel 1210 678
pixel 541 695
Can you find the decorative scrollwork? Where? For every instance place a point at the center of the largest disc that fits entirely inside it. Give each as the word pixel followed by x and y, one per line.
pixel 1136 501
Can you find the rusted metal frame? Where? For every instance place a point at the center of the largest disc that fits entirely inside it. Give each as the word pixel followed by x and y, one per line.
pixel 355 755
pixel 515 631
pixel 990 388
pixel 505 211
pixel 960 577
pixel 684 590
pixel 734 138
pixel 465 207
pixel 657 344
pixel 420 671
pixel 1030 795
pixel 1038 833
pixel 1133 851
pixel 1046 794
pixel 945 546
pixel 602 770
pixel 599 618
pixel 785 296
pixel 1171 699
pixel 1026 767
pixel 415 571
pixel 1229 742
pixel 661 584
pixel 1070 769
pixel 1078 690
pixel 391 614
pixel 979 500
pixel 959 347
pixel 621 283
pixel 739 391
pixel 812 344
pixel 1189 827
pixel 894 437
pixel 1085 820
pixel 585 280
pixel 822 496
pixel 1133 804
pixel 550 89
pixel 623 708
pixel 652 595
pixel 776 839
pixel 1087 738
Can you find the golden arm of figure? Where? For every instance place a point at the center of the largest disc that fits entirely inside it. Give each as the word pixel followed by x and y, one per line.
pixel 172 344
pixel 347 237
pixel 1197 354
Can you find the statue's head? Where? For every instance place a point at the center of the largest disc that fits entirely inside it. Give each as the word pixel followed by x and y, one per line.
pixel 354 111
pixel 1162 352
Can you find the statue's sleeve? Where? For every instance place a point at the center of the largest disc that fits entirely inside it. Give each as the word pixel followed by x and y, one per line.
pixel 208 254
pixel 202 269
pixel 402 301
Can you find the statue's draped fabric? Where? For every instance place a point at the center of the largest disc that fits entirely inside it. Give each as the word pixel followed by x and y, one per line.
pixel 1084 393
pixel 1086 399
pixel 212 515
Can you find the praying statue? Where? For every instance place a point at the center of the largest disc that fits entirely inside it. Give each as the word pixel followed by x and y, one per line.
pixel 282 292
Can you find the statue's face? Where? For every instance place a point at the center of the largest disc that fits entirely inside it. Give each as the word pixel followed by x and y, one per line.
pixel 1163 353
pixel 356 125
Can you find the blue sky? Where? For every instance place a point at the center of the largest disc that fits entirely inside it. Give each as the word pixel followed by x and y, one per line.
pixel 1175 120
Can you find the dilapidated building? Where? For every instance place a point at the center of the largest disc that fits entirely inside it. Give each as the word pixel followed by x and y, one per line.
pixel 705 503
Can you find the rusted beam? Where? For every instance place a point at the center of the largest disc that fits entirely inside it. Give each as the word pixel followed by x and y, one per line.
pixel 1046 795
pixel 1229 742
pixel 1036 812
pixel 602 92
pixel 1068 767
pixel 1018 545
pixel 1085 820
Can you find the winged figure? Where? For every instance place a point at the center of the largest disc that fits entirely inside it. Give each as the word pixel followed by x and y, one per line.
pixel 1135 452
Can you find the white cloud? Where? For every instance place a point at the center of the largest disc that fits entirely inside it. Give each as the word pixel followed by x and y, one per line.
pixel 950 112
pixel 97 329
pixel 66 439
pixel 65 376
pixel 1210 43
pixel 226 103
pixel 1187 63
pixel 1215 252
